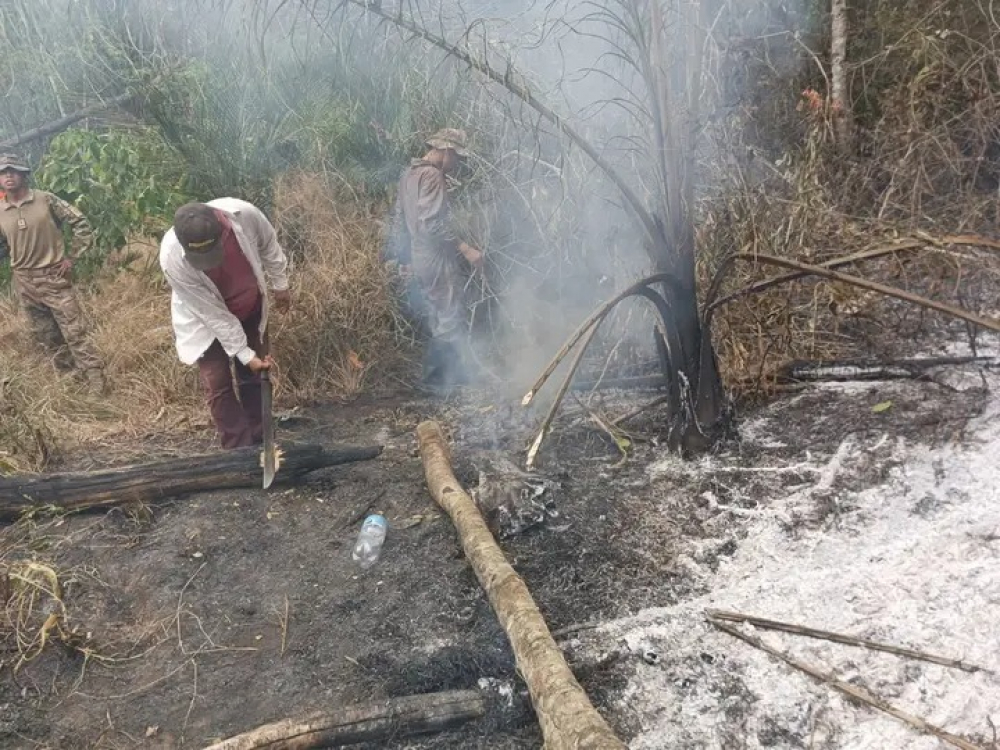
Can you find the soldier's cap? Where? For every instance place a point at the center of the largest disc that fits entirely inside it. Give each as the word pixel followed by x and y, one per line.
pixel 452 138
pixel 13 161
pixel 199 230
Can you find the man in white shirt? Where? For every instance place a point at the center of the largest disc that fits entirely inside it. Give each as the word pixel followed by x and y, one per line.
pixel 219 259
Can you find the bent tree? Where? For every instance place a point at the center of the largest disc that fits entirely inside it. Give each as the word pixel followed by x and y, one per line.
pixel 658 45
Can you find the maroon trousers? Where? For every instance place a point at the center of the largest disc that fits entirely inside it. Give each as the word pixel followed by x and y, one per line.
pixel 238 420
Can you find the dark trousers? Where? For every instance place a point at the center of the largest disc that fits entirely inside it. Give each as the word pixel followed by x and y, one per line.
pixel 432 309
pixel 237 420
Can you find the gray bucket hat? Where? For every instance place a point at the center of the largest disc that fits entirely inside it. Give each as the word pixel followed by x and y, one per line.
pixel 452 138
pixel 199 230
pixel 15 162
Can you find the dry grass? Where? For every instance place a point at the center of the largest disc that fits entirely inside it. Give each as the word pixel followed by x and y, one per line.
pixel 33 588
pixel 47 412
pixel 35 613
pixel 817 319
pixel 344 334
pixel 340 337
pixel 810 213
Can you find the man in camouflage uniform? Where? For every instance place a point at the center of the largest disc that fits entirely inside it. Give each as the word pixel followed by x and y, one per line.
pixel 31 234
pixel 430 257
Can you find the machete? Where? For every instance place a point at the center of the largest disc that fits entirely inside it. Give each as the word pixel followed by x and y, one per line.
pixel 267 418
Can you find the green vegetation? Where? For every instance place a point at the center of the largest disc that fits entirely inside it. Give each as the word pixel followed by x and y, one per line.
pixel 126 182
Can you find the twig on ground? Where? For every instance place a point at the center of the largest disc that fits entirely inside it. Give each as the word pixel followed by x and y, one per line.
pixel 180 608
pixel 828 474
pixel 573 629
pixel 639 410
pixel 194 697
pixel 551 413
pixel 283 620
pixel 851 691
pixel 761 622
pixel 622 440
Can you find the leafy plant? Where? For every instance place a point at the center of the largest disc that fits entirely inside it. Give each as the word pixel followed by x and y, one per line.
pixel 126 182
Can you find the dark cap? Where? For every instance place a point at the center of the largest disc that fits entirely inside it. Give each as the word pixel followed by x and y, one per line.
pixel 198 229
pixel 13 161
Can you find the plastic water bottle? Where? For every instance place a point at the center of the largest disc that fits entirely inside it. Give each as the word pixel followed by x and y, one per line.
pixel 369 544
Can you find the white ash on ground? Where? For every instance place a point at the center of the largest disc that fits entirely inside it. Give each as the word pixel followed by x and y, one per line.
pixel 892 535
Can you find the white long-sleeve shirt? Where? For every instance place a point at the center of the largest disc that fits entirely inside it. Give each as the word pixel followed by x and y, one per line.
pixel 197 309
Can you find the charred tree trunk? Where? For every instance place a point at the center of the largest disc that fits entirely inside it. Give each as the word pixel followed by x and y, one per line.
pixel 163 479
pixel 669 59
pixel 674 76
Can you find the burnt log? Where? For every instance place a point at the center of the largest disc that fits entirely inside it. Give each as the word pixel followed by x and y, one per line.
pixel 387 720
pixel 165 479
pixel 869 369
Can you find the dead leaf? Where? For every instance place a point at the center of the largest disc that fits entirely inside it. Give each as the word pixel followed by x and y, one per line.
pixel 354 360
pixel 412 521
pixel 151 731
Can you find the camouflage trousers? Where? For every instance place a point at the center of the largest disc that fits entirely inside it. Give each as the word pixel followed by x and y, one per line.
pixel 56 319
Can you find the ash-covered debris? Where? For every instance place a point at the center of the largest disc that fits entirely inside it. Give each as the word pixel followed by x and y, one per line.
pixel 486 424
pixel 513 500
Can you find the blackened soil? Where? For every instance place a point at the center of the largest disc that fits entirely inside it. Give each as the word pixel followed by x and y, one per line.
pixel 208 616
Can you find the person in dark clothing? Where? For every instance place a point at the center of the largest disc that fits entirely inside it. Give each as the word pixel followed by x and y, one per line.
pixel 430 257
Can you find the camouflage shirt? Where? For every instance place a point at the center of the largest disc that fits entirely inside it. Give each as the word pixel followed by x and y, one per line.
pixel 31 230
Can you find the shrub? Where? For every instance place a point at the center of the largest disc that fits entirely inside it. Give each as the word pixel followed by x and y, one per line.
pixel 126 182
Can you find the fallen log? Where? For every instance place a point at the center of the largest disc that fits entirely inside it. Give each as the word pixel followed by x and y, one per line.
pixel 567 718
pixel 97 108
pixel 861 369
pixel 384 720
pixel 167 478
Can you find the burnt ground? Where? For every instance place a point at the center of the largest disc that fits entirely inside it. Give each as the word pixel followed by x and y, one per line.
pixel 207 616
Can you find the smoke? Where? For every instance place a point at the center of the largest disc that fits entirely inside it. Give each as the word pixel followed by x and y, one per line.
pixel 580 59
pixel 336 89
